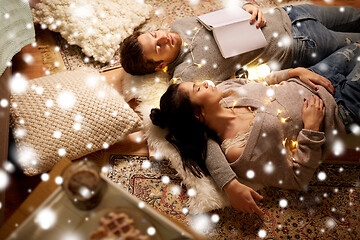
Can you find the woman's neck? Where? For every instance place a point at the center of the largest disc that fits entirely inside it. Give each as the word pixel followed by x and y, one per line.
pixel 219 120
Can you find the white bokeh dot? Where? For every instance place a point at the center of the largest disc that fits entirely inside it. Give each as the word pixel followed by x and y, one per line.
pixel 175 190
pixel 269 168
pixel 151 231
pixel 215 218
pixel 9 167
pixel 141 204
pixel 165 179
pixel 191 192
pixel 77 126
pixel 338 148
pixel 4 103
pixel 62 152
pixel 4 179
pixel 250 174
pixel 262 233
pixel 46 218
pixel 146 164
pixel 57 134
pixel 321 176
pixel 45 177
pixel 66 100
pixel 58 180
pixel 283 203
pixel 49 103
pixel 105 145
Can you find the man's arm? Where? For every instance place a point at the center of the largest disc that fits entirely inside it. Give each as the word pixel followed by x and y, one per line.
pixel 251 7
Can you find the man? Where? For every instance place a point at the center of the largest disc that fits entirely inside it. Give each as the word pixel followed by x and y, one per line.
pixel 296 36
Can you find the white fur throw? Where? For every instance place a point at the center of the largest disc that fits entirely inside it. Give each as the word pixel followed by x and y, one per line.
pixel 97 26
pixel 147 90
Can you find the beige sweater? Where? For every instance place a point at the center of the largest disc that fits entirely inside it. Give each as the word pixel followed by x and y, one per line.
pixel 264 154
pixel 202 46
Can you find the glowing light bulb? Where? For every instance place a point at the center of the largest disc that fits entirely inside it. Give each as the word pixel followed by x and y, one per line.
pixel 174 80
pixel 263 70
pixel 283 120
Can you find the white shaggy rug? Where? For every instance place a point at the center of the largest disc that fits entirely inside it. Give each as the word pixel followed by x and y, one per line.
pixel 97 26
pixel 148 90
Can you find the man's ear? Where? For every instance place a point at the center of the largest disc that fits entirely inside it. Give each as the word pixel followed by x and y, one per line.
pixel 160 67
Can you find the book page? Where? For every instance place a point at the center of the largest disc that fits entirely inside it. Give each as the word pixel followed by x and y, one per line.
pixel 238 38
pixel 224 17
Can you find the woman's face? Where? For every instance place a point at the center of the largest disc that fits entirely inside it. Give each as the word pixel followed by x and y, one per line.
pixel 201 94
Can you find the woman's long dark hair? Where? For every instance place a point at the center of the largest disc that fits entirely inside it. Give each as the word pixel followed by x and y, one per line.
pixel 186 132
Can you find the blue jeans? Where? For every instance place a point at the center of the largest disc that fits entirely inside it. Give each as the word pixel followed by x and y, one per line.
pixel 342 68
pixel 319 31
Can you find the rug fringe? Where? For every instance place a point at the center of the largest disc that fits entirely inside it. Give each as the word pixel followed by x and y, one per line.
pixel 46 45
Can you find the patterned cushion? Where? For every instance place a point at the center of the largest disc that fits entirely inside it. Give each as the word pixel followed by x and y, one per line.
pixel 69 114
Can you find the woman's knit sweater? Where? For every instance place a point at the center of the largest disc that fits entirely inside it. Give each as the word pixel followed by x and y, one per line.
pixel 267 154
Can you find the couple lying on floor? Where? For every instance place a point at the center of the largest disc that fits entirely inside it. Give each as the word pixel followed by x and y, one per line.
pixel 271 134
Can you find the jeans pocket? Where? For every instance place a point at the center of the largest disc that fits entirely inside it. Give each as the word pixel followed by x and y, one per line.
pixel 305 53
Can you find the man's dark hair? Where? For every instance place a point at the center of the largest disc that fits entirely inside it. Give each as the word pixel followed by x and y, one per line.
pixel 132 57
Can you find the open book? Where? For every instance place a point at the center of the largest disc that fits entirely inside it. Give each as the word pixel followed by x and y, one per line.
pixel 232 31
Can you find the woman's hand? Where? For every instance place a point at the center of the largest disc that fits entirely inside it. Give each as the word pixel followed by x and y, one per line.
pixel 313 113
pixel 242 197
pixel 310 78
pixel 255 13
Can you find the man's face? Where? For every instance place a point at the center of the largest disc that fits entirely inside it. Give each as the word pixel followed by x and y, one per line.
pixel 160 46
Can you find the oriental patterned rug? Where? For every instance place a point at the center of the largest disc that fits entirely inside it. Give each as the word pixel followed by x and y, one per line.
pixel 330 209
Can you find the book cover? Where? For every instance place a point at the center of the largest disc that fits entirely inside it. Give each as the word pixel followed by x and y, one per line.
pixel 232 31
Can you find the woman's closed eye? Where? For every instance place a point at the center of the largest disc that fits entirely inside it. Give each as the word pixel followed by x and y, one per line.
pixel 196 88
pixel 157 48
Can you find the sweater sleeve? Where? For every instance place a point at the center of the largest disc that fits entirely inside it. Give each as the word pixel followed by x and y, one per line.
pixel 245 2
pixel 217 165
pixel 307 156
pixel 277 77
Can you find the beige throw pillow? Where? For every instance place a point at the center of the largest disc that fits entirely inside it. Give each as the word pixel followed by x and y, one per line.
pixel 69 114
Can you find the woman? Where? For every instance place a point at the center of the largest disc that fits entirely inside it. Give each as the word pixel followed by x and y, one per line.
pixel 271 135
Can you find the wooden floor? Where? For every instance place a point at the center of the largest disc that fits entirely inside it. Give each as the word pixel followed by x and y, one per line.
pixel 20 185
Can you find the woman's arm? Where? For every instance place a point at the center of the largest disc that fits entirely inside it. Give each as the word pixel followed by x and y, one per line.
pixel 217 165
pixel 308 153
pixel 310 78
pixel 240 196
pixel 305 75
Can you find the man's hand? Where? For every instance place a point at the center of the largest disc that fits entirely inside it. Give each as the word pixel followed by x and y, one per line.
pixel 255 13
pixel 310 78
pixel 242 197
